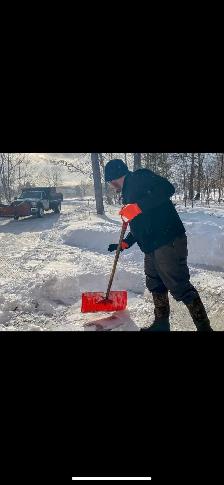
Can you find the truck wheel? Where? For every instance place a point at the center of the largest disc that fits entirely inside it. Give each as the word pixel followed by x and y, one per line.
pixel 40 212
pixel 57 209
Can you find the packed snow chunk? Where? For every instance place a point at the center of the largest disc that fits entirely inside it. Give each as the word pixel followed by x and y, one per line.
pixel 11 302
pixel 4 317
pixel 130 281
pixel 93 239
pixel 205 244
pixel 62 289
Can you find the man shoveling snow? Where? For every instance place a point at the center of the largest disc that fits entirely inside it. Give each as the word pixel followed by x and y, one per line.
pixel 160 234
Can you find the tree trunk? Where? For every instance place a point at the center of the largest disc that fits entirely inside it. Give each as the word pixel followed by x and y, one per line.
pixel 154 160
pixel 125 158
pixel 221 176
pixel 19 175
pixel 107 190
pixel 97 183
pixel 147 160
pixel 137 161
pixel 184 168
pixel 185 191
pixel 164 158
pixel 191 185
pixel 199 174
pixel 8 180
pixel 207 190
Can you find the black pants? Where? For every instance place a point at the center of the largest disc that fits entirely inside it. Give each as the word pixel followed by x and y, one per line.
pixel 166 269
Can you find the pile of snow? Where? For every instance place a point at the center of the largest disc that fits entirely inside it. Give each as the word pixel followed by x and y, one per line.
pixel 96 239
pixel 205 231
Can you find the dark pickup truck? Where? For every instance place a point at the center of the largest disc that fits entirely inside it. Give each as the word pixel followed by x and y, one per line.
pixel 33 201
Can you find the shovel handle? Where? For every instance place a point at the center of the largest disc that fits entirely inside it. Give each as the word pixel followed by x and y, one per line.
pixel 123 230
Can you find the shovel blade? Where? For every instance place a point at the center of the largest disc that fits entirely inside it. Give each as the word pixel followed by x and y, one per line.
pixel 96 302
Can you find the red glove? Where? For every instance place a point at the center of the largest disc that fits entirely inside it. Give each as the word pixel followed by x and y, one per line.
pixel 130 211
pixel 124 245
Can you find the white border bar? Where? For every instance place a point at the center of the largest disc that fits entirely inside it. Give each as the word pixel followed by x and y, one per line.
pixel 111 478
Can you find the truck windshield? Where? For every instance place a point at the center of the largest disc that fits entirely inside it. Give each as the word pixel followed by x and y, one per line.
pixel 31 195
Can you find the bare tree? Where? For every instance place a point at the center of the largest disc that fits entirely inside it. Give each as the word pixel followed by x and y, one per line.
pixel 153 161
pixel 185 176
pixel 97 183
pixel 109 193
pixel 52 175
pixel 80 166
pixel 137 161
pixel 90 166
pixel 147 160
pixel 164 165
pixel 13 169
pixel 192 175
pixel 199 180
pixel 220 157
pixel 197 172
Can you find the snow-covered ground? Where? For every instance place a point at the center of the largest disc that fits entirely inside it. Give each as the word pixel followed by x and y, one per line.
pixel 46 264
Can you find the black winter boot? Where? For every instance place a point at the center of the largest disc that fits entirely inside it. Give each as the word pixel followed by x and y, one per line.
pixel 199 315
pixel 162 313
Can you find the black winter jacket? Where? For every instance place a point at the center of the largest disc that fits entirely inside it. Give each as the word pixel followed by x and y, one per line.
pixel 159 222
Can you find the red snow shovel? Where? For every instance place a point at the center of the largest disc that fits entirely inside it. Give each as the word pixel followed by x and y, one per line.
pixel 111 301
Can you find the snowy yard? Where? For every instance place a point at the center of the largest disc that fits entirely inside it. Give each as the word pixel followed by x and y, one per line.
pixel 47 263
